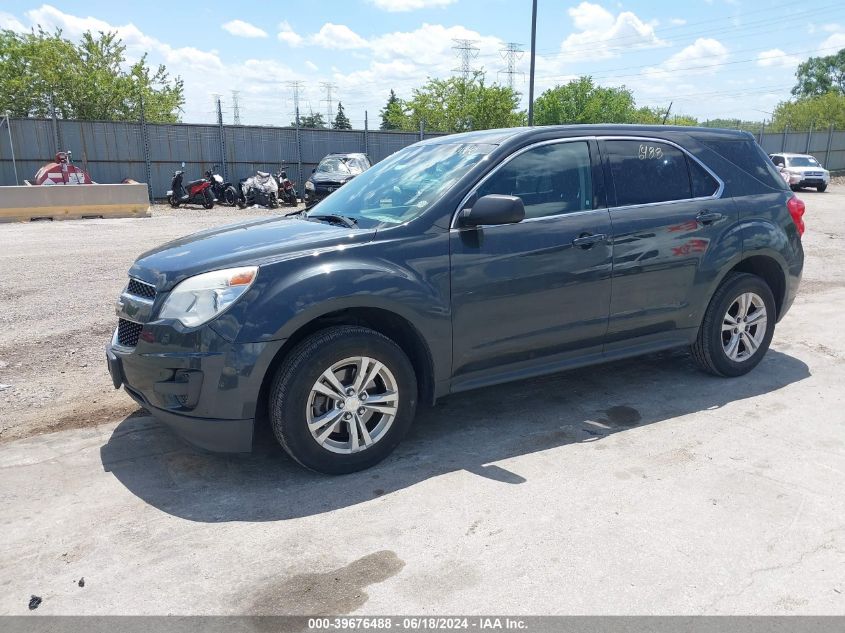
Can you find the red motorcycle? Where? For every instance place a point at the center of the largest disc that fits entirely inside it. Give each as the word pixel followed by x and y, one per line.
pixel 287 192
pixel 197 192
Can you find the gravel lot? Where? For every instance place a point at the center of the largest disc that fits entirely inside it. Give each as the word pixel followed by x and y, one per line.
pixel 57 299
pixel 639 487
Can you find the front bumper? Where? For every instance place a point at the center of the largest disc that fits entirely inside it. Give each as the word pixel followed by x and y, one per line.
pixel 802 180
pixel 200 385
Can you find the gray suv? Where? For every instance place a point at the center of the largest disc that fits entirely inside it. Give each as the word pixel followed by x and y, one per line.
pixel 460 262
pixel 801 170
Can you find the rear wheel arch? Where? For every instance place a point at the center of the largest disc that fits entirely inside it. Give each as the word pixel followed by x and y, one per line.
pixel 770 271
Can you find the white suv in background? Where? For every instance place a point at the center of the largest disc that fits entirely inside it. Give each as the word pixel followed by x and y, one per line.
pixel 802 170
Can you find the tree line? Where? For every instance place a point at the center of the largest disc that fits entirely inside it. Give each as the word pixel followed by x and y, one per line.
pixel 43 73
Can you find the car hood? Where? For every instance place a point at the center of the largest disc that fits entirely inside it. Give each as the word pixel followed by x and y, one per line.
pixel 331 176
pixel 253 242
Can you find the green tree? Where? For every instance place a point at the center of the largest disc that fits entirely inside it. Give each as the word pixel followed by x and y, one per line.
pixel 820 75
pixel 313 120
pixel 341 121
pixel 455 105
pixel 820 111
pixel 581 101
pixel 392 113
pixel 85 80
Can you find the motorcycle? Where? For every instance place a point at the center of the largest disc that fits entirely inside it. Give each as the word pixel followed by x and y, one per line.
pixel 196 192
pixel 261 189
pixel 224 192
pixel 287 192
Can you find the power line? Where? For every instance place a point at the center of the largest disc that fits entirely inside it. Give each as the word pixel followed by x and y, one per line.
pixel 466 51
pixel 511 53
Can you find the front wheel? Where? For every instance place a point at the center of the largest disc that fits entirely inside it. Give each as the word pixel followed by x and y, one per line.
pixel 343 399
pixel 737 327
pixel 173 202
pixel 821 188
pixel 208 199
pixel 230 196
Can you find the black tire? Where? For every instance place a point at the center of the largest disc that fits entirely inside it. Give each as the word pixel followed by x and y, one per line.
pixel 821 188
pixel 230 196
pixel 302 368
pixel 795 187
pixel 173 202
pixel 272 201
pixel 208 199
pixel 708 349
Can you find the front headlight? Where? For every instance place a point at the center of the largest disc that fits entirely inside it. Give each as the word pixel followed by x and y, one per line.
pixel 199 299
pixel 309 185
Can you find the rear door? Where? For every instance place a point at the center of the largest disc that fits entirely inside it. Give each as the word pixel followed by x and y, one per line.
pixel 666 212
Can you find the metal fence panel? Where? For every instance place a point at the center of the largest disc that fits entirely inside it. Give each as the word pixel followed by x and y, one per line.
pixel 112 151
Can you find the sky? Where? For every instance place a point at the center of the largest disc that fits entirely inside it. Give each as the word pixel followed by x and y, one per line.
pixel 711 58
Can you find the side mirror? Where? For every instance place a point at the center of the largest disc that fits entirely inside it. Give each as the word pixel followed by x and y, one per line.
pixel 493 209
pixel 183 164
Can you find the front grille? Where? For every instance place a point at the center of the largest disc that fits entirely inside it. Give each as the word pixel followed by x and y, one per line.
pixel 814 174
pixel 128 332
pixel 140 289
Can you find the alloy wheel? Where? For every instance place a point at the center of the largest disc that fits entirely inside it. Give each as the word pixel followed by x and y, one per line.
pixel 744 326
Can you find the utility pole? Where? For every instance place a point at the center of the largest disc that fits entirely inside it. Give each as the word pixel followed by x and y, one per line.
pixel 666 116
pixel 328 87
pixel 236 108
pixel 466 51
pixel 512 53
pixel 296 86
pixel 222 138
pixel 11 143
pixel 533 59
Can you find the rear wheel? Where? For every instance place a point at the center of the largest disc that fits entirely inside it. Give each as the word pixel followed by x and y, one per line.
pixel 343 399
pixel 230 196
pixel 737 327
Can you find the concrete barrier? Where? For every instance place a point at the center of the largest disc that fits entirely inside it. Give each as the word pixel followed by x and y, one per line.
pixel 73 202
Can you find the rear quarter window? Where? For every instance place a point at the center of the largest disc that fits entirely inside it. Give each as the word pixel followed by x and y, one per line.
pixel 750 158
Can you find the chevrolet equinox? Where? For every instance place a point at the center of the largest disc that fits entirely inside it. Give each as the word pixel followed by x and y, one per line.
pixel 459 262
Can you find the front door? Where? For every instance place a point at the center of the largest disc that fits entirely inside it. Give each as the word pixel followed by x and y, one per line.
pixel 535 292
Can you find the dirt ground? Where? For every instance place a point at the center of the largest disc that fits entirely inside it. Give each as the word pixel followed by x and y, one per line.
pixel 638 487
pixel 60 282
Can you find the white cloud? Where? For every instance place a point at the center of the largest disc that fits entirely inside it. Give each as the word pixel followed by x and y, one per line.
pixel 239 28
pixel 698 57
pixel 8 22
pixel 600 34
pixel 311 65
pixel 832 44
pixel 287 34
pixel 677 21
pixel 778 59
pixel 396 6
pixel 338 36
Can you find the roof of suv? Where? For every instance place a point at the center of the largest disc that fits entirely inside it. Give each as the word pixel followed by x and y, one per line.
pixel 790 154
pixel 498 136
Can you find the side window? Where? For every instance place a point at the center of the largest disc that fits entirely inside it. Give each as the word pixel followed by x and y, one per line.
pixel 550 179
pixel 646 171
pixel 703 184
pixel 778 160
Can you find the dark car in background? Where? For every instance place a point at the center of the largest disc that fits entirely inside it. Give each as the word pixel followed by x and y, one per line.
pixel 461 262
pixel 334 171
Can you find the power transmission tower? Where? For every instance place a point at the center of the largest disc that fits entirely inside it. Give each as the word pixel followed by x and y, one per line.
pixel 236 109
pixel 512 53
pixel 296 86
pixel 328 87
pixel 466 51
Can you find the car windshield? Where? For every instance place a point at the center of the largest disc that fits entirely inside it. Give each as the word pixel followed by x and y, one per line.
pixel 803 161
pixel 402 186
pixel 342 164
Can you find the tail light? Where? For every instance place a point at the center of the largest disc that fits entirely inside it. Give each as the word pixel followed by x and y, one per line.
pixel 796 210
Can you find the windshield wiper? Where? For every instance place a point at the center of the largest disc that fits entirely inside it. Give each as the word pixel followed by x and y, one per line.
pixel 334 218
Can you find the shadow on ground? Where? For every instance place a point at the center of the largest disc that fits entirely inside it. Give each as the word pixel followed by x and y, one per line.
pixel 468 432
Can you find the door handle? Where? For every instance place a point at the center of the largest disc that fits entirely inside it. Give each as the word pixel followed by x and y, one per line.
pixel 588 240
pixel 708 217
